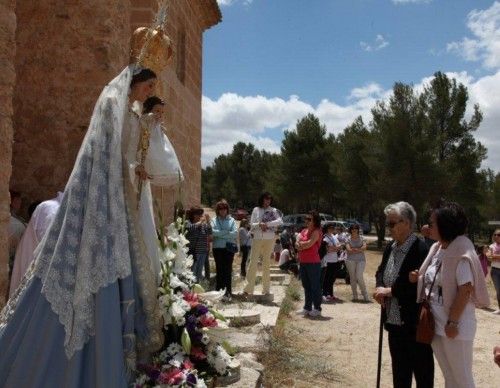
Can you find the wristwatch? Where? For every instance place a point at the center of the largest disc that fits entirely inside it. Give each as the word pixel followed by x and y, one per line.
pixel 452 323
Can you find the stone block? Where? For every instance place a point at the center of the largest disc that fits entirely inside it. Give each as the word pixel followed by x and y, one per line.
pixel 249 378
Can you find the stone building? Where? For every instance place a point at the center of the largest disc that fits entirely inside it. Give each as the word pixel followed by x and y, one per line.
pixel 56 56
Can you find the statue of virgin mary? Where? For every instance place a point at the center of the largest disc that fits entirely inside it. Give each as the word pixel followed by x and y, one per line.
pixel 86 311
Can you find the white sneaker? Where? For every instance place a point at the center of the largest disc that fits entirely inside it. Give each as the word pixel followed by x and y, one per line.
pixel 496 312
pixel 315 313
pixel 303 312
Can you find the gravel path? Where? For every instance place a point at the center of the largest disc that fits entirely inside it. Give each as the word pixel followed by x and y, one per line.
pixel 347 337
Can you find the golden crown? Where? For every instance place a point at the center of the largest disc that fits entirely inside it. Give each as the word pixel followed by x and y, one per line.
pixel 150 46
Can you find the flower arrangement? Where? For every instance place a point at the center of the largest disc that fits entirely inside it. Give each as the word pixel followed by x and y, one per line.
pixel 188 356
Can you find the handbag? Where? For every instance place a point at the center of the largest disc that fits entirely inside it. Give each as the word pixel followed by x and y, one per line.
pixel 230 246
pixel 426 324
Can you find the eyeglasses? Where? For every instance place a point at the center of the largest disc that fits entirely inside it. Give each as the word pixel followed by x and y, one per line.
pixel 496 234
pixel 391 225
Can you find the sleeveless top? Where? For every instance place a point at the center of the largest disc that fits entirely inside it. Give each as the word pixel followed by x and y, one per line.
pixel 311 254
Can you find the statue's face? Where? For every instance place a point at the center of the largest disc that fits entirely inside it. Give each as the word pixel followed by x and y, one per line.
pixel 157 111
pixel 143 90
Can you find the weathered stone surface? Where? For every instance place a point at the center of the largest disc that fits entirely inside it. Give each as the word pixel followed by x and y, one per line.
pixel 256 297
pixel 182 87
pixel 243 341
pixel 275 277
pixel 268 314
pixel 7 81
pixel 67 52
pixel 241 317
pixel 233 375
pixel 249 360
pixel 249 378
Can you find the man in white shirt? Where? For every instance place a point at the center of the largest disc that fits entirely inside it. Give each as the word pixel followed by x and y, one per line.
pixel 39 223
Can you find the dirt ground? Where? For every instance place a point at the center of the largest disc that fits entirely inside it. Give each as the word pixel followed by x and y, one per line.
pixel 347 338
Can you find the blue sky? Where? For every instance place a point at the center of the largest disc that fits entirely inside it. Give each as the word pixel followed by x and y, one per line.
pixel 270 62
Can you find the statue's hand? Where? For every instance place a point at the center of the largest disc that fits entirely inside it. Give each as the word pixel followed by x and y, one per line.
pixel 140 171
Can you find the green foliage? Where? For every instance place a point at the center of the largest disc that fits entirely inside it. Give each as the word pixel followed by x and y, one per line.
pixel 419 148
pixel 239 177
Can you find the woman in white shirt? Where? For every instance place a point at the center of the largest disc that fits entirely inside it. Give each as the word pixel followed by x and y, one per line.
pixel 263 223
pixel 331 260
pixel 452 278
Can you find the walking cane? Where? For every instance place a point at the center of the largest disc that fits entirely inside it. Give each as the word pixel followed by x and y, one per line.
pixel 380 336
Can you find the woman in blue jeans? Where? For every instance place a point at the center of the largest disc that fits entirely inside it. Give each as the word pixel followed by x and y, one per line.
pixel 308 243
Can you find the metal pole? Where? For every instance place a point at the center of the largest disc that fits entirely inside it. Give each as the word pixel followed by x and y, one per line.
pixel 380 337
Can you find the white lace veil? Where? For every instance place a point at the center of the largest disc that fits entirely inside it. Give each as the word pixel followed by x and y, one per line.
pixel 86 247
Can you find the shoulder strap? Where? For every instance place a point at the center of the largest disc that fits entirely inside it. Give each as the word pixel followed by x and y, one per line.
pixel 427 296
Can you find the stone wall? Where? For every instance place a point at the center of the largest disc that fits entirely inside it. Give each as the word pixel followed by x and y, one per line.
pixel 182 90
pixel 67 51
pixel 7 80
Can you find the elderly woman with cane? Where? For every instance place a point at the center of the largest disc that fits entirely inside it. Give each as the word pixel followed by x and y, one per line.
pixel 397 296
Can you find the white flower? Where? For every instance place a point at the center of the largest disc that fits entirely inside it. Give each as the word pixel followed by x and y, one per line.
pixel 200 383
pixel 167 255
pixel 141 380
pixel 163 356
pixel 175 282
pixel 205 339
pixel 173 349
pixel 213 296
pixel 164 300
pixel 183 240
pixel 218 358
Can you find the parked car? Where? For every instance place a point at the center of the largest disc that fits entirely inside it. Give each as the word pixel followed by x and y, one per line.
pixel 325 218
pixel 295 221
pixel 365 226
pixel 336 224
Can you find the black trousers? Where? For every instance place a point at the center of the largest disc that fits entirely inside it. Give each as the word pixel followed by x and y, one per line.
pixel 410 358
pixel 223 269
pixel 207 267
pixel 331 272
pixel 244 249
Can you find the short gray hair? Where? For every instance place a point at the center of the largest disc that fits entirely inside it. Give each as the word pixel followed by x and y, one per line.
pixel 404 210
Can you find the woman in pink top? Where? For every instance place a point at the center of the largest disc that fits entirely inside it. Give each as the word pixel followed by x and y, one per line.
pixel 308 243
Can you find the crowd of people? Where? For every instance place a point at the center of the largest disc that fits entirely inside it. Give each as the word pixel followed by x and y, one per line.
pixel 442 268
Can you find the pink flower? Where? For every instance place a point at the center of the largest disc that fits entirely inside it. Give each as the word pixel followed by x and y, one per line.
pixel 207 321
pixel 191 298
pixel 197 353
pixel 172 377
pixel 187 364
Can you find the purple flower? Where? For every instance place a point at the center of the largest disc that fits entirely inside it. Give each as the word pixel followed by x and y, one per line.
pixel 191 379
pixel 201 309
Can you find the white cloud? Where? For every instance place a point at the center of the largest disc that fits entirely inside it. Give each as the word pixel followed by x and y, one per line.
pixel 485 46
pixel 378 44
pixel 227 3
pixel 410 1
pixel 232 118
